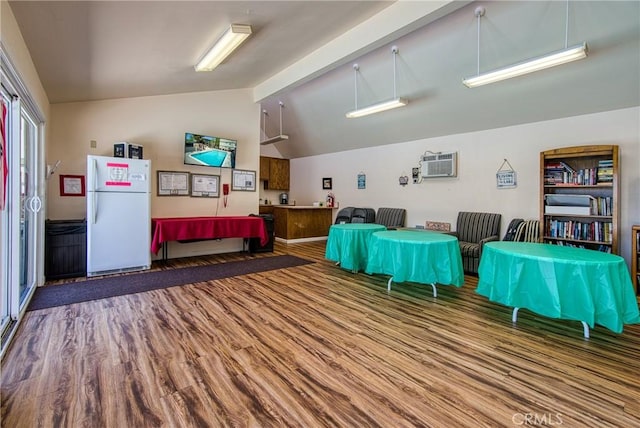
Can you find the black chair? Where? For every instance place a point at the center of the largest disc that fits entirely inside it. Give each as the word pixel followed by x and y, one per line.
pixel 344 215
pixel 363 215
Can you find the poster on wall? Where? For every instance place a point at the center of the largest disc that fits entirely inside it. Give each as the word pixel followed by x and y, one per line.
pixel 362 180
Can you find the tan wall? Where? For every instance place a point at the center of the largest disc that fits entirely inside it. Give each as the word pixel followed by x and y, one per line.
pixel 20 57
pixel 158 124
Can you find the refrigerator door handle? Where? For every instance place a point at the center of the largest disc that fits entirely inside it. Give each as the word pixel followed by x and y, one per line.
pixel 94 204
pixel 94 184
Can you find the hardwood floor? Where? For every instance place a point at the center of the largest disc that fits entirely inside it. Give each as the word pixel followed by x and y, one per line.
pixel 313 346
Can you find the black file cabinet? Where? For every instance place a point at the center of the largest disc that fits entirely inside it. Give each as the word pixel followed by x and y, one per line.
pixel 65 249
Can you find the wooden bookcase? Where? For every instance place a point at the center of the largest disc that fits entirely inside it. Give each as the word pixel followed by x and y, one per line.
pixel 581 174
pixel 635 258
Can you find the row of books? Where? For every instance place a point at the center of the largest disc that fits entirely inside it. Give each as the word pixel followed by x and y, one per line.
pixel 561 173
pixel 600 231
pixel 605 171
pixel 603 248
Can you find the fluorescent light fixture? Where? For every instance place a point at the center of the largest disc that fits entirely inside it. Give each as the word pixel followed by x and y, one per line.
pixel 376 108
pixel 276 139
pixel 382 106
pixel 230 40
pixel 551 60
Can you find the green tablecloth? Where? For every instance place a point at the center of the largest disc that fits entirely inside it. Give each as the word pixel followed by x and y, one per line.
pixel 418 256
pixel 559 282
pixel 348 244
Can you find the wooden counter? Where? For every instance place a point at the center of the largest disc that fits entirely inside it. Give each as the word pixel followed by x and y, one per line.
pixel 298 221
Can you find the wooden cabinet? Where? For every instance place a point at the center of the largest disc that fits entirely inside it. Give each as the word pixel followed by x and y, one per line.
pixel 301 222
pixel 635 258
pixel 265 209
pixel 579 197
pixel 275 173
pixel 264 168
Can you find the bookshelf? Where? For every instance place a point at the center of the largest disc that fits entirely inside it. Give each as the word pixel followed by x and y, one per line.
pixel 579 197
pixel 635 258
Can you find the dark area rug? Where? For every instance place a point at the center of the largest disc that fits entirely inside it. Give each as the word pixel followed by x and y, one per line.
pixel 94 289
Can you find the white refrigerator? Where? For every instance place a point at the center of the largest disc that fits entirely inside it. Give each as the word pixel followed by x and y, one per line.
pixel 118 215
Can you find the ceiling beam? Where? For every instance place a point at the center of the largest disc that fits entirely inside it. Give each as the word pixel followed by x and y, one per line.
pixel 393 22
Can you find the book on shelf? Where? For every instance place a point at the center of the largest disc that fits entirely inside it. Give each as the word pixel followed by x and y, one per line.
pixel 567 209
pixel 605 171
pixel 598 231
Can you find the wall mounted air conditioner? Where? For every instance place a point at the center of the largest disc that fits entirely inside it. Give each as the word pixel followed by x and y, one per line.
pixel 439 165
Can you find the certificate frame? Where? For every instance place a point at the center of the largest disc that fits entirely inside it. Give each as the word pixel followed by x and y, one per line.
pixel 173 183
pixel 243 179
pixel 72 185
pixel 205 186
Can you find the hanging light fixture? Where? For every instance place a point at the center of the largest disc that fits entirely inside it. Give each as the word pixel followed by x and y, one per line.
pixel 568 54
pixel 382 106
pixel 230 40
pixel 277 138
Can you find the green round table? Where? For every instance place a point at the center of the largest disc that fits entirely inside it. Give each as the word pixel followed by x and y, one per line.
pixel 416 256
pixel 556 281
pixel 348 244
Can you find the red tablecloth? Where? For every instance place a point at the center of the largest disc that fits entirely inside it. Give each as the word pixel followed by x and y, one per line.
pixel 187 228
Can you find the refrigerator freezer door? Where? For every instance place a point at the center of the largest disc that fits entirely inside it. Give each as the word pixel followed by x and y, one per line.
pixel 107 174
pixel 118 232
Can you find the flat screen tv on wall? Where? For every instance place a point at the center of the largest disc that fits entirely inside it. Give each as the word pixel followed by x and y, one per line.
pixel 204 150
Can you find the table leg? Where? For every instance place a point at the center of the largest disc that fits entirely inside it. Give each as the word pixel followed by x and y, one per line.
pixel 389 284
pixel 585 328
pixel 435 291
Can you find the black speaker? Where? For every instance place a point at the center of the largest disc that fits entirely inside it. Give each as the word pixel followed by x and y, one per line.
pixel 254 243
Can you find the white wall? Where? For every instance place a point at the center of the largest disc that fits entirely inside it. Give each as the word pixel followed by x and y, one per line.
pixel 480 155
pixel 158 123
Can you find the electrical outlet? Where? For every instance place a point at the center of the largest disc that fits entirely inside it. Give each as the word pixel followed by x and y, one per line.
pixel 415 173
pixel 93 144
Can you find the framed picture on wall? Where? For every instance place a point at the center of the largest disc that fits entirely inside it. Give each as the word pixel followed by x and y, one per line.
pixel 205 186
pixel 72 185
pixel 326 183
pixel 243 180
pixel 173 183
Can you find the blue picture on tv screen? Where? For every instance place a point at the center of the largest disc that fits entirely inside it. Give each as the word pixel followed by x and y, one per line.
pixel 204 150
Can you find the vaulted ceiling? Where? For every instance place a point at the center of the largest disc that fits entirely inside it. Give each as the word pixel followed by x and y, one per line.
pixel 302 53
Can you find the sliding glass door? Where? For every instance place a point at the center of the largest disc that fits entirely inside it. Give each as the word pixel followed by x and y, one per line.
pixel 21 218
pixel 5 103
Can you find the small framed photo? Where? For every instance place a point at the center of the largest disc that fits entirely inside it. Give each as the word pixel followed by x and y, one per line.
pixel 72 185
pixel 205 186
pixel 326 183
pixel 243 180
pixel 173 183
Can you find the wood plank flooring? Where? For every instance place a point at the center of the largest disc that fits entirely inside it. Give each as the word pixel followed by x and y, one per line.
pixel 313 346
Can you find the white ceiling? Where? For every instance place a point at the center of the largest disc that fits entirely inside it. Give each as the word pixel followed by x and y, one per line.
pixel 302 53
